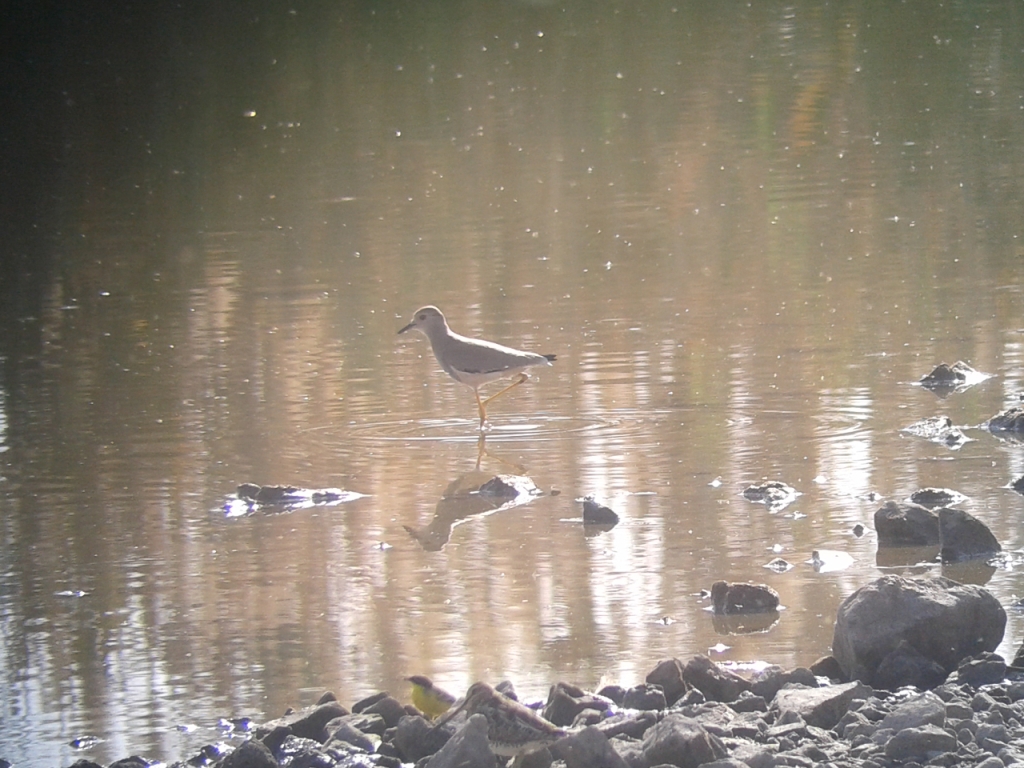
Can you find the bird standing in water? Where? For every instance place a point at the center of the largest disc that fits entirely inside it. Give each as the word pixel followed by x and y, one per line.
pixel 473 362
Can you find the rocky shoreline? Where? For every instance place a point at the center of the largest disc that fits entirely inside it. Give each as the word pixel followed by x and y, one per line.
pixel 913 681
pixel 687 713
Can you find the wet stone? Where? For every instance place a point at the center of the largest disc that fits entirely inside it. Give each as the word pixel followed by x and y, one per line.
pixel 668 676
pixel 598 514
pixel 937 497
pixel 1010 420
pixel 249 754
pixel 644 697
pixel 983 669
pixel 919 743
pixel 389 709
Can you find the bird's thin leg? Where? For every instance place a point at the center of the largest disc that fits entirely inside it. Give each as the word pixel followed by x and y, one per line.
pixel 480 404
pixel 481 449
pixel 522 377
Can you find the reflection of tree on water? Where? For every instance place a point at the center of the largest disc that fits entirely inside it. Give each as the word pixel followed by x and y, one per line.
pixel 472 494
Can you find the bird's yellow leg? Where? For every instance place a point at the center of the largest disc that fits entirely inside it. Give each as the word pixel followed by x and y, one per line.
pixel 480 404
pixel 522 377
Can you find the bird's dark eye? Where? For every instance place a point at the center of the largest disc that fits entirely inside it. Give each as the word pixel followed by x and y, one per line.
pixel 423 316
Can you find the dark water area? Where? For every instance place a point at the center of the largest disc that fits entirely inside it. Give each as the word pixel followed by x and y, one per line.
pixel 746 232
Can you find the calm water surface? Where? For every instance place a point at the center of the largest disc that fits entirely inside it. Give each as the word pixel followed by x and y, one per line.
pixel 745 233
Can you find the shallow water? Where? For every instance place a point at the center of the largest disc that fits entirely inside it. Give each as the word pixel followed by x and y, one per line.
pixel 745 233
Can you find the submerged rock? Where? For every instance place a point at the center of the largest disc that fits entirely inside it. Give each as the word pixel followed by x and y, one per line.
pixel 938 429
pixel 743 597
pixel 251 498
pixel 775 495
pixel 597 514
pixel 963 536
pixel 945 379
pixel 778 565
pixel 937 497
pixel 906 525
pixel 830 560
pixel 947 375
pixel 1010 420
pixel 509 487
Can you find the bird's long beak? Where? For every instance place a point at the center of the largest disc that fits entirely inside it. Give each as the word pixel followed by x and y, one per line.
pixel 448 715
pixel 406 328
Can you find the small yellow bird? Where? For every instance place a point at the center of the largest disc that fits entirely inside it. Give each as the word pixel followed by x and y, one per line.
pixel 428 698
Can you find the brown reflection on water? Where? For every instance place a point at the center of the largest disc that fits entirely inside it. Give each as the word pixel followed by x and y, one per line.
pixel 744 232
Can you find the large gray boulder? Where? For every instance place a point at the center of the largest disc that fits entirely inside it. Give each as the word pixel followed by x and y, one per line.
pixel 938 618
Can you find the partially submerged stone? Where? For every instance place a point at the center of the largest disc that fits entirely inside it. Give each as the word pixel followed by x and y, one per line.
pixel 775 495
pixel 945 379
pixel 937 497
pixel 963 536
pixel 778 565
pixel 938 429
pixel 1010 420
pixel 250 497
pixel 946 375
pixel 906 525
pixel 743 597
pixel 509 487
pixel 597 514
pixel 830 560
